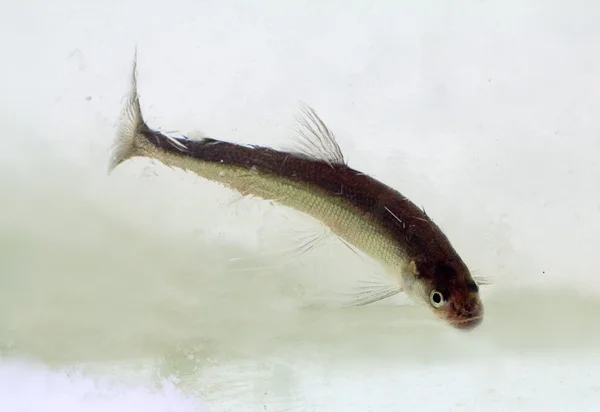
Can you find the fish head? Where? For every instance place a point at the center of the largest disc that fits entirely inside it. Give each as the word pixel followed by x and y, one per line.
pixel 448 290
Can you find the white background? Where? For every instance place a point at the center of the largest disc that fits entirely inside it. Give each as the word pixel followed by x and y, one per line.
pixel 152 290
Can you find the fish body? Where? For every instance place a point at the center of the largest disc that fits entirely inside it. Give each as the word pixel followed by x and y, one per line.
pixel 317 181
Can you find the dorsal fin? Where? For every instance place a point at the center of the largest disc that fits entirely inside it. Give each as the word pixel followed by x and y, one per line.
pixel 315 140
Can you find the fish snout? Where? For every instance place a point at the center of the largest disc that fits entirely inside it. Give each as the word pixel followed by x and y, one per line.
pixel 467 324
pixel 469 320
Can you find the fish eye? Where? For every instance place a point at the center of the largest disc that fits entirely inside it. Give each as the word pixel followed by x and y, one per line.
pixel 437 299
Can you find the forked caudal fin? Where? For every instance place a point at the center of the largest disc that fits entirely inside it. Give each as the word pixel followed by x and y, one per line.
pixel 130 127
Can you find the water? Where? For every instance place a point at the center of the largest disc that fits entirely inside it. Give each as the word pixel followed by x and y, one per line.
pixel 152 290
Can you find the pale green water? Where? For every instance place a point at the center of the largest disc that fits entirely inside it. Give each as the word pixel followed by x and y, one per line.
pixel 483 112
pixel 135 273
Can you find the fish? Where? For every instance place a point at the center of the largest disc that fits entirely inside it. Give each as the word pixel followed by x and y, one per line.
pixel 315 179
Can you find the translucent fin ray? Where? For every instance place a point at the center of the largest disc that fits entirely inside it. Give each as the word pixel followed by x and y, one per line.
pixel 314 139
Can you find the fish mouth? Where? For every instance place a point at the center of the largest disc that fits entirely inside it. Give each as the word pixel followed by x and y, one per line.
pixel 467 324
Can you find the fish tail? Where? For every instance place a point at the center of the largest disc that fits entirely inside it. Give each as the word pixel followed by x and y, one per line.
pixel 130 134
